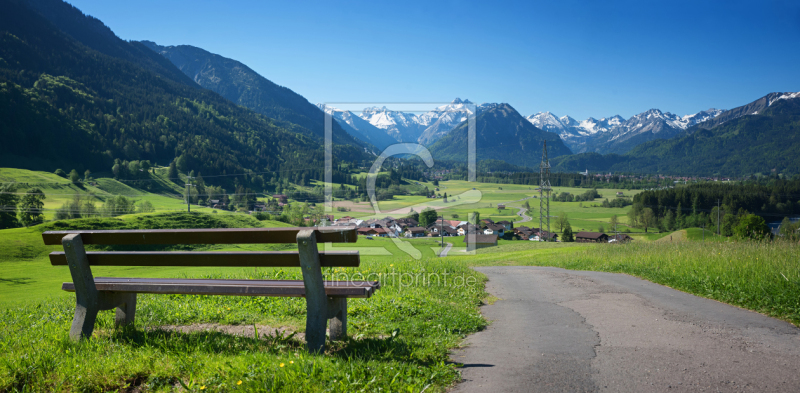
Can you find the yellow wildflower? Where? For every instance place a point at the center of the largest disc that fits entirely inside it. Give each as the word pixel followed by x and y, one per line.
pixel 282 364
pixel 239 383
pixel 291 361
pixel 203 387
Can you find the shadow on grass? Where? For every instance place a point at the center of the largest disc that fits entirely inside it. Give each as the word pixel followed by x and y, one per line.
pixel 16 281
pixel 215 342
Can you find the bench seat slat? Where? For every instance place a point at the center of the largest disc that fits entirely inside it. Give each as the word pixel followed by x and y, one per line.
pixel 290 288
pixel 209 258
pixel 226 281
pixel 202 236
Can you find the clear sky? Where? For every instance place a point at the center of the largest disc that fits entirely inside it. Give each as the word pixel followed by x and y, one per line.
pixel 579 58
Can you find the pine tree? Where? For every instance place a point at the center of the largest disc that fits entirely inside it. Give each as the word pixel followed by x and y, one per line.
pixel 567 236
pixel 172 173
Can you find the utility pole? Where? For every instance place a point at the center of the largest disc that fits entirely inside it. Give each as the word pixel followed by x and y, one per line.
pixel 544 191
pixel 189 185
pixel 441 232
pixel 718 233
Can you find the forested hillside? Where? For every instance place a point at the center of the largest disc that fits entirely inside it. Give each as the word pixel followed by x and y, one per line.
pixel 765 142
pixel 63 104
pixel 240 84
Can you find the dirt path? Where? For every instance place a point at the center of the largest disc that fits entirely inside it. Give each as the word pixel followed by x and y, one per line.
pixel 677 236
pixel 555 330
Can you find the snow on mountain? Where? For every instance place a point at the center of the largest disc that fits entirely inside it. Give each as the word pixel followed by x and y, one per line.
pixel 785 96
pixel 443 119
pixel 359 128
pixel 602 135
pixel 402 126
pixel 424 128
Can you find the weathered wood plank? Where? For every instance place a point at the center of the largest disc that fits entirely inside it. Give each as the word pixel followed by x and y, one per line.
pixel 202 281
pixel 203 236
pixel 209 258
pixel 252 289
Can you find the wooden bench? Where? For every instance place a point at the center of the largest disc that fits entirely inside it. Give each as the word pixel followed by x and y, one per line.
pixel 324 299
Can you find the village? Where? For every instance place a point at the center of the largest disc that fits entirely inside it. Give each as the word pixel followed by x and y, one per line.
pixel 487 232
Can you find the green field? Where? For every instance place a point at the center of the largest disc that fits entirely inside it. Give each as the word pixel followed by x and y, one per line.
pixel 398 340
pixel 166 196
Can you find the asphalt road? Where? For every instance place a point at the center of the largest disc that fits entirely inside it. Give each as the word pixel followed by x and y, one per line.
pixel 556 330
pixel 447 248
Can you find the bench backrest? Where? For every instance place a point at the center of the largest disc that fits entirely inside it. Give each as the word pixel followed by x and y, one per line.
pixel 205 236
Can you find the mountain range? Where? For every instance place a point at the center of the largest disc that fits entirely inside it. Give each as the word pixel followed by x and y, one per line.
pixel 760 137
pixel 615 134
pixel 74 95
pixel 502 134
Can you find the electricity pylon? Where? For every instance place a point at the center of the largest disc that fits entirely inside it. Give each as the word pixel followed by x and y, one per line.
pixel 544 192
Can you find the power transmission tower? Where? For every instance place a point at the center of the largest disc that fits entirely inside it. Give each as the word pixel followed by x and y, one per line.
pixel 544 192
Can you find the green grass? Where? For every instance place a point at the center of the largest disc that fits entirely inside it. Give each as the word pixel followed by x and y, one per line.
pixel 760 276
pixel 165 196
pixel 398 340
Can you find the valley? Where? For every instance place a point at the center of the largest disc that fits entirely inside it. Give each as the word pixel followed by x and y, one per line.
pixel 678 221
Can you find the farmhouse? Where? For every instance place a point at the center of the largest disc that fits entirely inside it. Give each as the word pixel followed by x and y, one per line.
pixel 507 224
pixel 591 237
pixel 481 241
pixel 415 232
pixel 494 229
pixel 621 238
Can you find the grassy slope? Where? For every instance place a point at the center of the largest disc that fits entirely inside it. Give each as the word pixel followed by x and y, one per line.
pixel 165 195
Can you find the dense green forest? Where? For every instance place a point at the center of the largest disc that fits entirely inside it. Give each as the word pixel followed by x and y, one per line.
pixel 65 105
pixel 696 205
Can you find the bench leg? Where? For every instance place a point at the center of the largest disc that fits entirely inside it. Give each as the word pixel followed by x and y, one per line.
pixel 126 310
pixel 83 322
pixel 316 301
pixel 337 306
pixel 87 299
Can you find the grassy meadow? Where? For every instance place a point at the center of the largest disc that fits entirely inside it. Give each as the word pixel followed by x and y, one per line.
pixel 398 340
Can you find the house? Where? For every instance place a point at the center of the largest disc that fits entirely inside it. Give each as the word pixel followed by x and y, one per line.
pixel 591 237
pixel 522 229
pixel 540 236
pixel 414 232
pixel 494 229
pixel 467 228
pixel 621 238
pixel 501 206
pixel 507 224
pixel 487 221
pixel 366 231
pixel 480 241
pixel 383 232
pixel 450 231
pixel 620 194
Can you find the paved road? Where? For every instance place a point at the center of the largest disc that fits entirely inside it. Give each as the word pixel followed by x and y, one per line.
pixel 522 210
pixel 556 330
pixel 447 248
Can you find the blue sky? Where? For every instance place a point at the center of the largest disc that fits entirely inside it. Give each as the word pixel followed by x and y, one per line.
pixel 592 58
